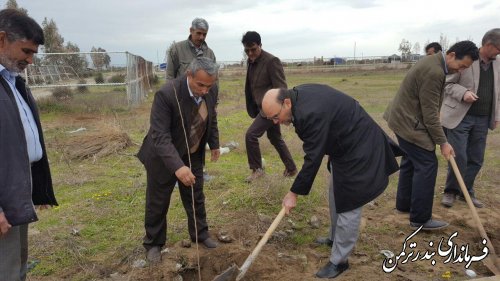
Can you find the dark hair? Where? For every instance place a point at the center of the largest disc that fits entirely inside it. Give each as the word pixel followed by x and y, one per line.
pixel 283 94
pixel 437 47
pixel 19 26
pixel 464 48
pixel 250 38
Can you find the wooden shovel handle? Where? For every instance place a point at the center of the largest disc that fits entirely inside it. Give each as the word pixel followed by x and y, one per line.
pixel 261 243
pixel 475 216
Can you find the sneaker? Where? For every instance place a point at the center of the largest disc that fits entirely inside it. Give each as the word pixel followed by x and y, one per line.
pixel 153 255
pixel 475 201
pixel 429 225
pixel 448 199
pixel 289 173
pixel 258 173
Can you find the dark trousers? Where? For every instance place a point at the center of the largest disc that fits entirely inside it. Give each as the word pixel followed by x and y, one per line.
pixel 259 126
pixel 417 178
pixel 14 254
pixel 468 140
pixel 158 201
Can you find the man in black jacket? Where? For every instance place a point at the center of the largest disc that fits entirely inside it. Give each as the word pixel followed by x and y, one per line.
pixel 183 121
pixel 25 178
pixel 361 157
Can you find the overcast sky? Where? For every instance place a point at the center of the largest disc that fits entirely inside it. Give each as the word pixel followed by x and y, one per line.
pixel 290 29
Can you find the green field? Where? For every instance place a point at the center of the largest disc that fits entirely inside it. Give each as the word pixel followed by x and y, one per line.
pixel 97 228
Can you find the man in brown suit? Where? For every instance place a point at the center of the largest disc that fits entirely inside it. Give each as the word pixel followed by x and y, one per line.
pixel 264 72
pixel 183 120
pixel 413 115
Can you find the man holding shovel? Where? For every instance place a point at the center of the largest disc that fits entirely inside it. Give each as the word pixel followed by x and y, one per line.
pixel 361 157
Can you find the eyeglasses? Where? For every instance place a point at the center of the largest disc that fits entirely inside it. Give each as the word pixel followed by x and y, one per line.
pixel 275 116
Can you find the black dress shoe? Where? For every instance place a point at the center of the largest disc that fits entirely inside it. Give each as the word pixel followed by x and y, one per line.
pixel 209 243
pixel 324 241
pixel 331 270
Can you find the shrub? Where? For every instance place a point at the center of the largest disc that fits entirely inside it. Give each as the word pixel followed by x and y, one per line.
pixel 118 78
pixel 82 89
pixel 62 93
pixel 153 80
pixel 99 78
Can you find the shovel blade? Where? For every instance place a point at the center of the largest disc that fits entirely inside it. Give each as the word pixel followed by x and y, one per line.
pixel 229 274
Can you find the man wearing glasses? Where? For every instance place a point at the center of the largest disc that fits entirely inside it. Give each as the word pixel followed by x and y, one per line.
pixel 264 72
pixel 361 158
pixel 471 105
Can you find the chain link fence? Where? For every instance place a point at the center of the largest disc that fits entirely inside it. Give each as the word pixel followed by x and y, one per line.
pixel 62 75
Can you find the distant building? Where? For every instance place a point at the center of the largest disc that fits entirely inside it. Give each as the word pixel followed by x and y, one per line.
pixel 394 59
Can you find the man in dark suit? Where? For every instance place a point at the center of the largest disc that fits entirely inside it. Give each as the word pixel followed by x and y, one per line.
pixel 25 179
pixel 413 115
pixel 183 120
pixel 264 72
pixel 361 157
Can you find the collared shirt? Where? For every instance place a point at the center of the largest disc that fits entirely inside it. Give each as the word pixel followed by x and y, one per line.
pixel 484 63
pixel 445 65
pixel 197 100
pixel 29 125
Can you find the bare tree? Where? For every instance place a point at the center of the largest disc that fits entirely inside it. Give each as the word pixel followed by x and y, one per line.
pixel 405 49
pixel 444 42
pixel 416 48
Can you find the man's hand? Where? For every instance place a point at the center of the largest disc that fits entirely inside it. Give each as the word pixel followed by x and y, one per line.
pixel 290 201
pixel 4 225
pixel 496 124
pixel 447 151
pixel 470 97
pixel 185 175
pixel 215 155
pixel 42 207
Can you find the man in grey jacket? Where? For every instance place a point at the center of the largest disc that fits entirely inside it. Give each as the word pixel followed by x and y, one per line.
pixel 470 107
pixel 182 53
pixel 25 178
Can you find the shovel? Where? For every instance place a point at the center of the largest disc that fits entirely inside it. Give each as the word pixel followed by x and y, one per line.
pixel 235 273
pixel 491 262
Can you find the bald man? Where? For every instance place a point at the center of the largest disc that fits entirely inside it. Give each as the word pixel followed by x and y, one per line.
pixel 361 158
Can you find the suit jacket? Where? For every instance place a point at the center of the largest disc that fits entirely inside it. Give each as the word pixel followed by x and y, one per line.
pixel 164 150
pixel 21 185
pixel 454 108
pixel 331 123
pixel 268 74
pixel 414 112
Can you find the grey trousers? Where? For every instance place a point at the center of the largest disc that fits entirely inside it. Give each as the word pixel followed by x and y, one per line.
pixel 344 229
pixel 14 254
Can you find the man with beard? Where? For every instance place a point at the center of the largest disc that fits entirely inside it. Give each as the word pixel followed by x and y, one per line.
pixel 25 178
pixel 470 107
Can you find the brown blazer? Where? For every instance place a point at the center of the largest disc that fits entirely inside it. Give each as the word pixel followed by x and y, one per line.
pixel 164 150
pixel 454 108
pixel 268 74
pixel 414 112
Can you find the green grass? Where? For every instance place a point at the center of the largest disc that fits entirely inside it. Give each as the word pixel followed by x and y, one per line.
pixel 98 226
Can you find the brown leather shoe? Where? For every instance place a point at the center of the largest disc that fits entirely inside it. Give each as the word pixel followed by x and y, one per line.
pixel 290 173
pixel 255 175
